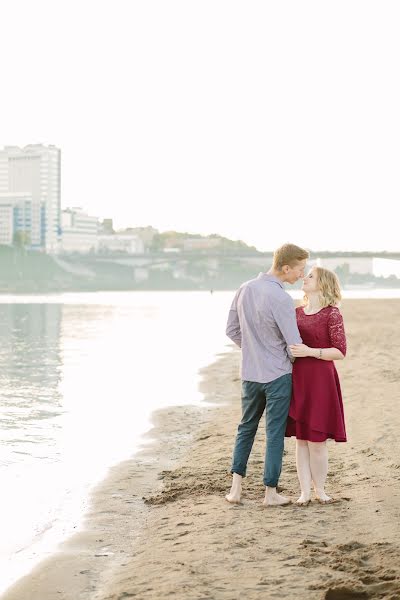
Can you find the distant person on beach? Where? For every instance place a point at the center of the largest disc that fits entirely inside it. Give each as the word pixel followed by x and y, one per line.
pixel 316 409
pixel 262 322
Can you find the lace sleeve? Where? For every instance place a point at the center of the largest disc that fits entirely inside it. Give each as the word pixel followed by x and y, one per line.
pixel 337 335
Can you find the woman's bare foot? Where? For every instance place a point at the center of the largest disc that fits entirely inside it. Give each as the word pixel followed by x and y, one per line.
pixel 322 497
pixel 234 496
pixel 329 501
pixel 304 500
pixel 272 498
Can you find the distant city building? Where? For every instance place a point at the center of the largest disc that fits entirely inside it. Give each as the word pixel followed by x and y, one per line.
pixel 6 221
pixel 15 218
pixel 79 231
pixel 120 243
pixel 30 183
pixel 172 250
pixel 107 226
pixel 146 234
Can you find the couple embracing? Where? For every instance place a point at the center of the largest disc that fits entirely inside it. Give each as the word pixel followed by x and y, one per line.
pixel 288 371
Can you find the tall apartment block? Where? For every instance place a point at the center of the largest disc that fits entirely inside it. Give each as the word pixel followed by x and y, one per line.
pixel 30 196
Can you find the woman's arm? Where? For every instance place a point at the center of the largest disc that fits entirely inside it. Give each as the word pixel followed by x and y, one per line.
pixel 337 338
pixel 301 350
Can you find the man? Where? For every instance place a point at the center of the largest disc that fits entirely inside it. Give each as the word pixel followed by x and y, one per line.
pixel 262 322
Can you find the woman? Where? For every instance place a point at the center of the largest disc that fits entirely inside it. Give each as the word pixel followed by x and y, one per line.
pixel 316 409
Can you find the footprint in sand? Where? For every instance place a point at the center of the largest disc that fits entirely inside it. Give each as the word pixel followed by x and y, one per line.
pixel 373 569
pixel 345 593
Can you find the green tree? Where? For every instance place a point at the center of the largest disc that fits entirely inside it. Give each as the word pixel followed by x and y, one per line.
pixel 21 239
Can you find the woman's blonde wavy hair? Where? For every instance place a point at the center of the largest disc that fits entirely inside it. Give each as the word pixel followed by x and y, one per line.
pixel 329 287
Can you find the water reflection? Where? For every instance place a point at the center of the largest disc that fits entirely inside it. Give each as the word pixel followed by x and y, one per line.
pixel 30 374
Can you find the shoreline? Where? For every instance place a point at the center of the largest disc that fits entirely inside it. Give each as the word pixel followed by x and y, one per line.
pixel 77 566
pixel 159 525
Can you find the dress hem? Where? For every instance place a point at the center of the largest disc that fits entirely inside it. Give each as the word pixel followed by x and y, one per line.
pixel 326 435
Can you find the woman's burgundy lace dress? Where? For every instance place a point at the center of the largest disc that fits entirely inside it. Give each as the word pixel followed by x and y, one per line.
pixel 316 409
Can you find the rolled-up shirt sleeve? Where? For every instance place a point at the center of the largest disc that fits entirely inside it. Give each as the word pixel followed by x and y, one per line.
pixel 233 330
pixel 285 317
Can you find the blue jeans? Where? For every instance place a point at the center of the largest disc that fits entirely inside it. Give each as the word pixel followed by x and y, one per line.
pixel 274 398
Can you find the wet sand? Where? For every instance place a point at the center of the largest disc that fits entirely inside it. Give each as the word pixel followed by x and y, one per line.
pixel 159 526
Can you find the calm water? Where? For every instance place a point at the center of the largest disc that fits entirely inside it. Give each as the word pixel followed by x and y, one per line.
pixel 80 375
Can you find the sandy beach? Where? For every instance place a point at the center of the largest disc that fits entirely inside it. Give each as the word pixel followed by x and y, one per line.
pixel 159 525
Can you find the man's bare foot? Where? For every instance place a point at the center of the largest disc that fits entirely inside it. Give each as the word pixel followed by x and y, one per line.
pixel 234 496
pixel 304 500
pixel 272 498
pixel 233 499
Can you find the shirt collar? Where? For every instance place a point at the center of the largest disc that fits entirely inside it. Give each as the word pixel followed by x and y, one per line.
pixel 272 278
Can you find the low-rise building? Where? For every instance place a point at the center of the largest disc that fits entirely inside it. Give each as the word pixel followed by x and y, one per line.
pixel 79 231
pixel 120 243
pixel 172 250
pixel 107 226
pixel 146 234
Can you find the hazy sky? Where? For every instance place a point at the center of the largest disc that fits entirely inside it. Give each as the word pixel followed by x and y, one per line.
pixel 263 121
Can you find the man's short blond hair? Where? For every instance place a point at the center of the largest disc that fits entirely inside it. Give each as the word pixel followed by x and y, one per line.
pixel 289 254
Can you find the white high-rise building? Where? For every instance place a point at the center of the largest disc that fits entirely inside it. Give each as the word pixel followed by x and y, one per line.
pixel 15 217
pixel 34 170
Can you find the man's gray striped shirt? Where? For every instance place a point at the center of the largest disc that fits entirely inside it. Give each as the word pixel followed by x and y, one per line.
pixel 262 322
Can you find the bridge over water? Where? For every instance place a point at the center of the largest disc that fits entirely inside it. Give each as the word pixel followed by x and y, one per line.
pixel 256 257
